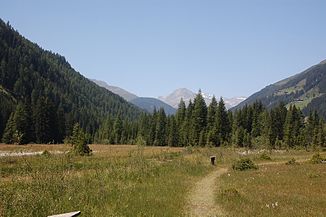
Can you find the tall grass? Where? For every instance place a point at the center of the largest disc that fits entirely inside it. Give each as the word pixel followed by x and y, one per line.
pixel 274 190
pixel 136 184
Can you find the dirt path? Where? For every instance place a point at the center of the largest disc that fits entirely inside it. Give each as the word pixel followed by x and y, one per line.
pixel 201 200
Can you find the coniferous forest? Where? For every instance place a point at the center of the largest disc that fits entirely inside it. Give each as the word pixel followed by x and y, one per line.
pixel 42 97
pixel 200 125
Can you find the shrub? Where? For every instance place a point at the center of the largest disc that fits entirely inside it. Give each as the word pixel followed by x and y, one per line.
pixel 244 164
pixel 292 162
pixel 140 141
pixel 265 156
pixel 317 159
pixel 46 153
pixel 79 141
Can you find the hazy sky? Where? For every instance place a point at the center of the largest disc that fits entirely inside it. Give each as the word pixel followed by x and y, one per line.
pixel 229 48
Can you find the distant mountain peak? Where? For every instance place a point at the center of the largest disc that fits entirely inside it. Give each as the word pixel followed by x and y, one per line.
pixel 174 98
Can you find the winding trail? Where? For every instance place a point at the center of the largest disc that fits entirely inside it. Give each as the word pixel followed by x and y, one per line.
pixel 201 199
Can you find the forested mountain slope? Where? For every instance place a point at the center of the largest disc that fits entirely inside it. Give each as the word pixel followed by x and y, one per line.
pixel 46 96
pixel 306 90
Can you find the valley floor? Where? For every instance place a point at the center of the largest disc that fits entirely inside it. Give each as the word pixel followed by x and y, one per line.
pixel 126 180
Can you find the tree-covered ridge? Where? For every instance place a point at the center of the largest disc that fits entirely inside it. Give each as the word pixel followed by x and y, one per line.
pixel 305 90
pixel 43 87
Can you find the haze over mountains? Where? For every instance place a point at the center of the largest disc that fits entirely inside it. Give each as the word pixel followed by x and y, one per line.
pixel 306 90
pixel 146 103
pixel 170 102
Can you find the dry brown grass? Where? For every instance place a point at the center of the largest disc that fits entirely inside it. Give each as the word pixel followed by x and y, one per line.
pixel 275 190
pixel 33 147
pixel 99 149
pixel 117 180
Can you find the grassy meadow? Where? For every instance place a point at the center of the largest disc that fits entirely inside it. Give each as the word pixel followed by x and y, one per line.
pixel 277 188
pixel 114 181
pixel 127 180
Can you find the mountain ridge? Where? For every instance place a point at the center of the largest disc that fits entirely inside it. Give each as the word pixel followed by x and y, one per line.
pixel 117 90
pixel 150 104
pixel 306 90
pixel 146 103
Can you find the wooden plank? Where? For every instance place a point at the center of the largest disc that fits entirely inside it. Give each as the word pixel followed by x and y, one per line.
pixel 71 214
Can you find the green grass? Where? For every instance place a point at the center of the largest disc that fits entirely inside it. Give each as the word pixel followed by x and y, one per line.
pixel 275 190
pixel 138 184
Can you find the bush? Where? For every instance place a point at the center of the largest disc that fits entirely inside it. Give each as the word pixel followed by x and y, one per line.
pixel 265 156
pixel 292 162
pixel 244 164
pixel 140 141
pixel 317 159
pixel 46 153
pixel 78 141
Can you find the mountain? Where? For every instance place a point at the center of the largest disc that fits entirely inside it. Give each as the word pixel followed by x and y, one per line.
pixel 234 101
pixel 306 90
pixel 146 103
pixel 149 104
pixel 174 98
pixel 117 90
pixel 42 96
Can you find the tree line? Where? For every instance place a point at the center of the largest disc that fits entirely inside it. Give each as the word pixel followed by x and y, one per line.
pixel 200 125
pixel 193 125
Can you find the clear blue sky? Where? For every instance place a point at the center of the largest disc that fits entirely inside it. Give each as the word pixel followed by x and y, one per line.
pixel 229 48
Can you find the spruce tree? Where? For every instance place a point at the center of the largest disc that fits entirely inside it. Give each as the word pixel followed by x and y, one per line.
pixel 153 124
pixel 173 132
pixel 181 113
pixel 185 132
pixel 240 134
pixel 45 119
pixel 23 122
pixel 9 130
pixel 202 138
pixel 199 118
pixel 160 131
pixel 61 134
pixel 211 114
pixel 222 123
pixel 118 129
pixel 288 129
pixel 211 132
pixel 79 141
